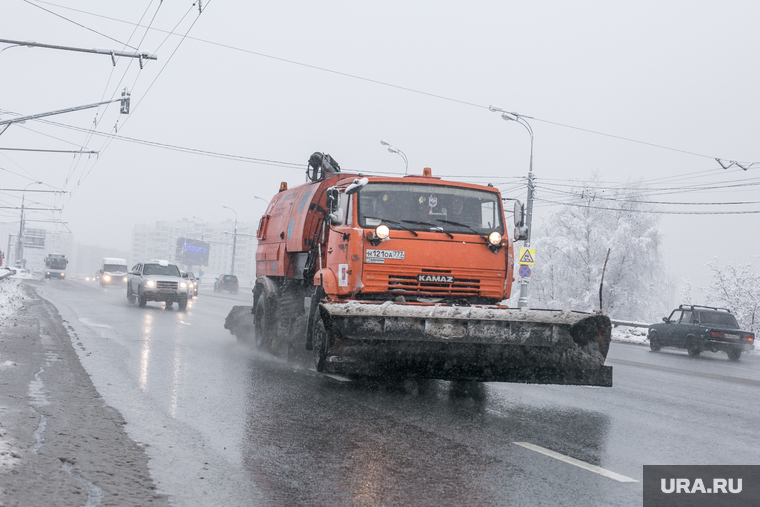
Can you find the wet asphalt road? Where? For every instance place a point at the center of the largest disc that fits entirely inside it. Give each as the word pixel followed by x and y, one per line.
pixel 223 425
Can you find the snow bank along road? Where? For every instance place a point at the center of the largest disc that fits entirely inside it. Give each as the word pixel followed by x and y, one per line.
pixel 60 443
pixel 221 425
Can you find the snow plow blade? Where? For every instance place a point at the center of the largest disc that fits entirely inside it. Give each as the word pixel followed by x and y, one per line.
pixel 480 343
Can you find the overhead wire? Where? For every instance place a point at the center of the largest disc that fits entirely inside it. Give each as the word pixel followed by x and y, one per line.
pixel 78 24
pixel 421 92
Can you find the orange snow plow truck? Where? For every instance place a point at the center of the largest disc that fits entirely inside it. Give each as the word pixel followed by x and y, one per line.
pixel 403 276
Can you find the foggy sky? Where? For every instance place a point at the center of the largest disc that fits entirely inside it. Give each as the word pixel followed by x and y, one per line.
pixel 682 75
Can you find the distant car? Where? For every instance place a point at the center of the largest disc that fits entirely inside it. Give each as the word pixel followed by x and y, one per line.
pixel 192 283
pixel 698 328
pixel 226 282
pixel 157 280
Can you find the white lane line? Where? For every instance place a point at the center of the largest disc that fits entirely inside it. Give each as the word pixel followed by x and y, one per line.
pixel 576 462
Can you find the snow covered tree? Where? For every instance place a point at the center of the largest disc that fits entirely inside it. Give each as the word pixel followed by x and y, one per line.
pixel 738 289
pixel 571 246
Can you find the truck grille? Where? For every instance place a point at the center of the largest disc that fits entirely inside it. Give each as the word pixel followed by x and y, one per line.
pixel 166 286
pixel 409 283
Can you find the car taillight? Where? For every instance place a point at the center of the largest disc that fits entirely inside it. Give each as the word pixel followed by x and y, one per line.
pixel 717 334
pixel 749 337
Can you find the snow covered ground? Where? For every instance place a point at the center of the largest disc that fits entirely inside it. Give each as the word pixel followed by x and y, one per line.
pixel 12 298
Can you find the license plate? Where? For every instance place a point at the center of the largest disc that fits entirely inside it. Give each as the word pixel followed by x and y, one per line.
pixel 374 256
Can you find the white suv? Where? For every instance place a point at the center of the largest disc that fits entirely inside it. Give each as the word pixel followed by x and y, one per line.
pixel 157 280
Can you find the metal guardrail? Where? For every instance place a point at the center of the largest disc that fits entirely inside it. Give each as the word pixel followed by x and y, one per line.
pixel 628 323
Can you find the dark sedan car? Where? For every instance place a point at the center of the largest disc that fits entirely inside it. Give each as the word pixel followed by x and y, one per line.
pixel 697 328
pixel 227 283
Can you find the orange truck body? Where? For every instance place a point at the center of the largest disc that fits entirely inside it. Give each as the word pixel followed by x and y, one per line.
pixel 423 300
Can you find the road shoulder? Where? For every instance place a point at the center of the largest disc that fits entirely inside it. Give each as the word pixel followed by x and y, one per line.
pixel 60 444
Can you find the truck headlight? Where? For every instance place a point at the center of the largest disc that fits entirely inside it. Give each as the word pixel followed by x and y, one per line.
pixel 494 238
pixel 125 278
pixel 150 283
pixel 382 231
pixel 106 278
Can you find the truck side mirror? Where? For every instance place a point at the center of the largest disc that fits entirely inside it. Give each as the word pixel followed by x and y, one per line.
pixel 519 214
pixel 357 185
pixel 332 198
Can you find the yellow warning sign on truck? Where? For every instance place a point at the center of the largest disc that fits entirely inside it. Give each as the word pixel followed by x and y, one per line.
pixel 527 256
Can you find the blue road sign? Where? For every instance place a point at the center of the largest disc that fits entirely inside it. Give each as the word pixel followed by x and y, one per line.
pixel 524 271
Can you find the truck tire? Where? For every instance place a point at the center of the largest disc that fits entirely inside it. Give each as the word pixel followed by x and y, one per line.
pixel 263 319
pixel 319 344
pixel 692 347
pixel 734 354
pixel 182 304
pixel 169 305
pixel 142 299
pixel 654 342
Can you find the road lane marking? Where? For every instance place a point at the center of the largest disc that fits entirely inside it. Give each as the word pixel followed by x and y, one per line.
pixel 576 462
pixel 84 320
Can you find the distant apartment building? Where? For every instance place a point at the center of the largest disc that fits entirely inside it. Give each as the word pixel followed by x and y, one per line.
pixel 159 241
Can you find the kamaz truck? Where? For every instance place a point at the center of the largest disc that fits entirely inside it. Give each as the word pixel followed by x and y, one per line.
pixel 405 277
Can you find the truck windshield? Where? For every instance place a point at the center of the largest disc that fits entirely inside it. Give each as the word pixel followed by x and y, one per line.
pixel 719 319
pixel 114 268
pixel 420 207
pixel 157 269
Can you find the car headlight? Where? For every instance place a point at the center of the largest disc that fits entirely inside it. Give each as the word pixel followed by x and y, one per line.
pixel 125 278
pixel 494 238
pixel 150 283
pixel 382 231
pixel 106 278
pixel 183 285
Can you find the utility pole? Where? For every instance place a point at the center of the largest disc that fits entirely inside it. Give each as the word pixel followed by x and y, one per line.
pixel 234 241
pixel 511 116
pixel 20 241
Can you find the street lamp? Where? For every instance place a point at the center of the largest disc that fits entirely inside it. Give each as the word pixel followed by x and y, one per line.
pixel 20 240
pixel 261 199
pixel 203 232
pixel 393 149
pixel 234 240
pixel 512 116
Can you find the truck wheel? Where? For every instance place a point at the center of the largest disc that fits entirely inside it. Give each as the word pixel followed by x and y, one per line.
pixel 692 347
pixel 734 354
pixel 654 342
pixel 319 344
pixel 143 300
pixel 182 304
pixel 169 305
pixel 263 319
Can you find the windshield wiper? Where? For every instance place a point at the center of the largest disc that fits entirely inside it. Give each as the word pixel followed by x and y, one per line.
pixel 461 225
pixel 431 227
pixel 394 223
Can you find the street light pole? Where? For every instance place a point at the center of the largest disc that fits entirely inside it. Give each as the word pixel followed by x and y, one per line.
pixel 234 241
pixel 393 149
pixel 20 239
pixel 203 232
pixel 512 116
